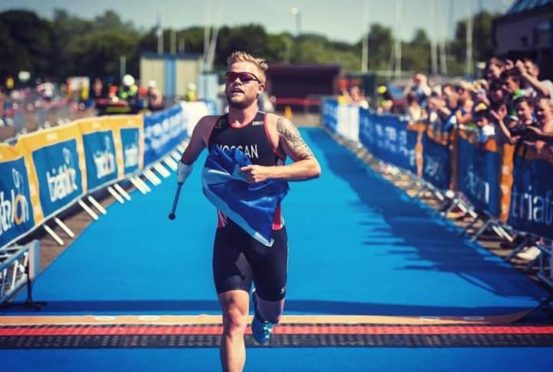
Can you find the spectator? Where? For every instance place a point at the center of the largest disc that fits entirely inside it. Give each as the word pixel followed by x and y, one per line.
pixel 484 125
pixel 153 96
pixel 97 90
pixel 357 98
pixel 544 129
pixel 516 128
pixel 384 100
pixel 419 85
pixel 46 90
pixel 128 89
pixel 494 69
pixel 496 95
pixel 415 112
pixel 513 87
pixel 463 113
pixel 191 94
pixel 440 117
pixel 529 71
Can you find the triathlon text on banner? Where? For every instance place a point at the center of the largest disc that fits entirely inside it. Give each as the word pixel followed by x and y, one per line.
pixel 16 210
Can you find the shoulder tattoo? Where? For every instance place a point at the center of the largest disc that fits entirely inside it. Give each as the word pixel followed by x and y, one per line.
pixel 293 139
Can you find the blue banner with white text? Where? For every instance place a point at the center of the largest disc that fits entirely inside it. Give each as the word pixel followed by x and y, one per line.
pixel 16 210
pixel 387 138
pixel 479 176
pixel 436 163
pixel 59 175
pixel 532 197
pixel 163 131
pixel 330 113
pixel 101 167
pixel 130 138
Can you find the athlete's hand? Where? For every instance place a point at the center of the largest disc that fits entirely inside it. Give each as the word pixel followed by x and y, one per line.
pixel 256 173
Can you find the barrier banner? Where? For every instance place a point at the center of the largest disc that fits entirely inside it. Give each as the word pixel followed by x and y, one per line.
pixel 387 138
pixel 479 173
pixel 16 210
pixel 163 131
pixel 367 133
pixel 532 195
pixel 57 166
pixel 101 167
pixel 132 144
pixel 330 113
pixel 436 162
pixel 348 122
pixel 112 145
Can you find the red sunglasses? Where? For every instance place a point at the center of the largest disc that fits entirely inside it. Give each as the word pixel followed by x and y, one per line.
pixel 244 77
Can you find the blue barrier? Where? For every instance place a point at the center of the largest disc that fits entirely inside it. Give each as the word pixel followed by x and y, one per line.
pixel 387 137
pixel 329 113
pixel 46 172
pixel 60 180
pixel 436 163
pixel 531 207
pixel 479 176
pixel 162 132
pixel 101 167
pixel 16 210
pixel 131 150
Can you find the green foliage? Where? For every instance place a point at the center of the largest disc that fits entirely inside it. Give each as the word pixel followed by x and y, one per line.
pixel 68 45
pixel 30 41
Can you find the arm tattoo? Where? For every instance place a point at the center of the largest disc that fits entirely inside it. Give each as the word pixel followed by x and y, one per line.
pixel 293 139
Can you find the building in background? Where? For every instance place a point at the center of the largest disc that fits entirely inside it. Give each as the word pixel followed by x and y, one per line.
pixel 301 86
pixel 526 30
pixel 172 73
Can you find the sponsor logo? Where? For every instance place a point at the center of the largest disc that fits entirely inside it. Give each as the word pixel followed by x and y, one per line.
pixel 478 187
pixel 104 160
pixel 62 181
pixel 14 206
pixel 160 134
pixel 131 155
pixel 526 205
pixel 257 122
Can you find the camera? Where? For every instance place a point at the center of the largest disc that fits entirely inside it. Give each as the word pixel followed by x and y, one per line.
pixel 519 130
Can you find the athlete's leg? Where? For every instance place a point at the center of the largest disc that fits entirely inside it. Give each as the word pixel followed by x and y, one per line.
pixel 233 278
pixel 269 310
pixel 269 267
pixel 234 305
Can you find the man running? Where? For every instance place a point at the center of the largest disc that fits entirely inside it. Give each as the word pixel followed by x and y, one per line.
pixel 239 259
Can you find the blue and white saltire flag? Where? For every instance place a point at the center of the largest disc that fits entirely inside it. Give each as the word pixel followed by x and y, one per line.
pixel 251 206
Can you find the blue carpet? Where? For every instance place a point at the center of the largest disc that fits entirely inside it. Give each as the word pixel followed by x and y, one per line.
pixel 357 246
pixel 281 360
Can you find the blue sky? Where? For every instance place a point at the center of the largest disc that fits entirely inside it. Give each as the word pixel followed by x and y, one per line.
pixel 340 20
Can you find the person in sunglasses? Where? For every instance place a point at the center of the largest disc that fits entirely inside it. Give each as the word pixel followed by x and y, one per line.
pixel 240 260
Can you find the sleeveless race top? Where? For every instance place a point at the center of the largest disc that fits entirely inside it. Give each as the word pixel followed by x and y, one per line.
pixel 253 140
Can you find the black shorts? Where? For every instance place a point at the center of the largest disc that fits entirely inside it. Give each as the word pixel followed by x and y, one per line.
pixel 239 260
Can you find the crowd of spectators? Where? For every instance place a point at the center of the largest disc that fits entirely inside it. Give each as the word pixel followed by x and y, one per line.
pixel 30 105
pixel 509 104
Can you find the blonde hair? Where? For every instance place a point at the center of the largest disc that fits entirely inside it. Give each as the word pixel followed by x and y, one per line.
pixel 240 56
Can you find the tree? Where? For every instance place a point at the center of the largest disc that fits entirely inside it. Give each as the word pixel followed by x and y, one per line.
pixel 416 53
pixel 380 46
pixel 250 38
pixel 65 28
pixel 30 41
pixel 482 40
pixel 98 53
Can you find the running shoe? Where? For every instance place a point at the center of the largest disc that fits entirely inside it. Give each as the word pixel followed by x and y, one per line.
pixel 261 329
